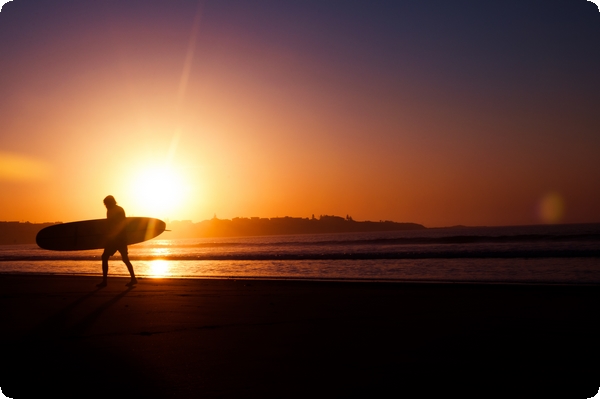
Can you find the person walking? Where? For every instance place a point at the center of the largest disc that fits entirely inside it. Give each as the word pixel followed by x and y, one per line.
pixel 116 240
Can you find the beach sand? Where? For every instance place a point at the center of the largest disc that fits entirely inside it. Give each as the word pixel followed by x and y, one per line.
pixel 258 338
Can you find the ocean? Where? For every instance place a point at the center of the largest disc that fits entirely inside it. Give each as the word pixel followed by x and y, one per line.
pixel 544 254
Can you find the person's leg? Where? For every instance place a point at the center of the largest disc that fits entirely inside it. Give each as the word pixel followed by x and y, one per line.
pixel 125 258
pixel 105 255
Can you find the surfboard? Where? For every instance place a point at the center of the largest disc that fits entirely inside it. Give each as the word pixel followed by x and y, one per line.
pixel 92 234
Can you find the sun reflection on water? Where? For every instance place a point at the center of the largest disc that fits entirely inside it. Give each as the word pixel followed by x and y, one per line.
pixel 160 251
pixel 158 268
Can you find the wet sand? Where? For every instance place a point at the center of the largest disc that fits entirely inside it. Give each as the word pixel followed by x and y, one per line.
pixel 253 338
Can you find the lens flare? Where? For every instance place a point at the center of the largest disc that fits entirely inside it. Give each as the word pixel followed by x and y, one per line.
pixel 551 208
pixel 15 167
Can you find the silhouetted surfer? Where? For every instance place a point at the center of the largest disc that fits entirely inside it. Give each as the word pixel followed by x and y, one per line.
pixel 117 239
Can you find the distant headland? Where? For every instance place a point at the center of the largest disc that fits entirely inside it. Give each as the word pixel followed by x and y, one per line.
pixel 280 226
pixel 24 233
pixel 20 233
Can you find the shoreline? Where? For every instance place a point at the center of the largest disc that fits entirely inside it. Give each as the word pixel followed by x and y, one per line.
pixel 292 338
pixel 321 279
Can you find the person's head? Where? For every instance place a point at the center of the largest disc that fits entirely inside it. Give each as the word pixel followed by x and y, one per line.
pixel 110 201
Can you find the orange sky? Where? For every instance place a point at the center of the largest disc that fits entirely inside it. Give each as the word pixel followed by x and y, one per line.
pixel 440 115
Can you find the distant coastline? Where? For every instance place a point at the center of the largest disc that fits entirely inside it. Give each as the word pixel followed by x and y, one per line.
pixel 12 233
pixel 281 226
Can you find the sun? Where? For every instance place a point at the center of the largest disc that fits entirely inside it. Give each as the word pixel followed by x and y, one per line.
pixel 157 191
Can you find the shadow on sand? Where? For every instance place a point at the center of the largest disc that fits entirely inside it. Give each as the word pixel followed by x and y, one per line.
pixel 56 353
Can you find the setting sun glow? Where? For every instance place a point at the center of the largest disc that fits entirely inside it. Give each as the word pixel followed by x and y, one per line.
pixel 157 192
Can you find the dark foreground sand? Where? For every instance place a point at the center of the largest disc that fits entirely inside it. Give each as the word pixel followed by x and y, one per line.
pixel 246 338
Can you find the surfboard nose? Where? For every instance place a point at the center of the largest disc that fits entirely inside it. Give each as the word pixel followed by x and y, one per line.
pixel 154 227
